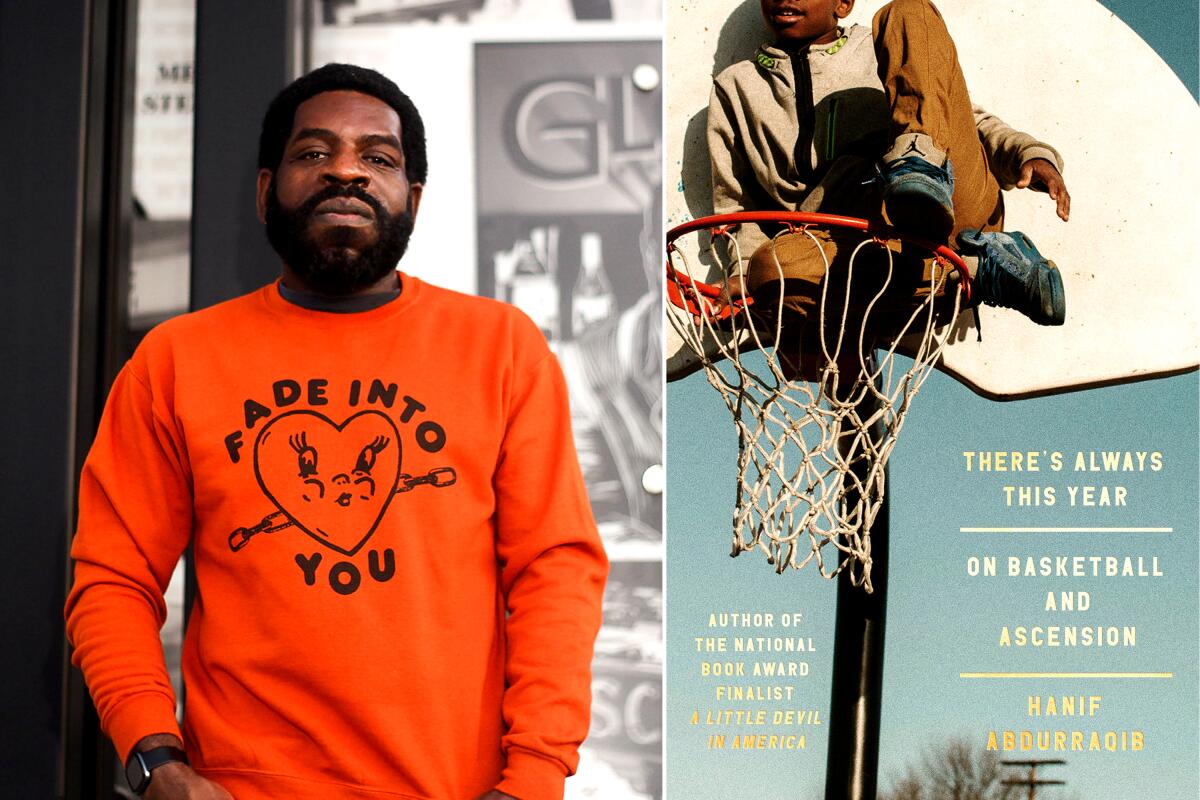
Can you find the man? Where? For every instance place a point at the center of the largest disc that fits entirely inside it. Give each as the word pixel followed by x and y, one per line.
pixel 398 575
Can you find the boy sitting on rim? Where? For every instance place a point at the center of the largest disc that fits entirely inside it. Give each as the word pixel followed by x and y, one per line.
pixel 879 124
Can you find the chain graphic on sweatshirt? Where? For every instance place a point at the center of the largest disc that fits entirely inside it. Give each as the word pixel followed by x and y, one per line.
pixel 439 477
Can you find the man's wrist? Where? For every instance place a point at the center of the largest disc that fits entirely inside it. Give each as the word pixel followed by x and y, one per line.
pixel 156 740
pixel 151 754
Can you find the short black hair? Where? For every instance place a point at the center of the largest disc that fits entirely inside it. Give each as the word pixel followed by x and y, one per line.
pixel 281 114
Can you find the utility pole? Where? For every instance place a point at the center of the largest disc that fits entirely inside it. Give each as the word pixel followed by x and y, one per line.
pixel 1032 781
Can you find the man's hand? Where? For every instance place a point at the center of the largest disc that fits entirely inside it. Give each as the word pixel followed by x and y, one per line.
pixel 1040 174
pixel 496 794
pixel 177 781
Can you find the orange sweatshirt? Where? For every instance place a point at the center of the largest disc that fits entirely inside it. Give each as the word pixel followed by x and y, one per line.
pixel 399 577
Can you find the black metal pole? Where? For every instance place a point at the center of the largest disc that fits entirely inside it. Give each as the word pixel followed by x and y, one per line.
pixel 88 763
pixel 856 697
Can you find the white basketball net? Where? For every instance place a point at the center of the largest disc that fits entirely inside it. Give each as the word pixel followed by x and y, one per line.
pixel 812 454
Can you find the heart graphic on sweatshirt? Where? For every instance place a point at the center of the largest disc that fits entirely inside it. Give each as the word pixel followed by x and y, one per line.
pixel 332 481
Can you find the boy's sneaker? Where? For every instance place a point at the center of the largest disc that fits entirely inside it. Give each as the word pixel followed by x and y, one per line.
pixel 1013 274
pixel 918 188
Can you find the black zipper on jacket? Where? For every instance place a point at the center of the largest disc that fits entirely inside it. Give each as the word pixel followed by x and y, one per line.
pixel 806 116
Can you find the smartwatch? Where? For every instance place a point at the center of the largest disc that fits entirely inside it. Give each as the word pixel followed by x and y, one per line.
pixel 140 765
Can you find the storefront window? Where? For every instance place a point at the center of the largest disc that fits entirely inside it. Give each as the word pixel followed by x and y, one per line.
pixel 162 210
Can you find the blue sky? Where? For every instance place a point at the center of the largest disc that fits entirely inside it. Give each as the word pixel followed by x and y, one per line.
pixel 1171 27
pixel 942 622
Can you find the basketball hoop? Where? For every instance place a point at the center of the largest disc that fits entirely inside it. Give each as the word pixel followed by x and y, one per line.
pixel 805 361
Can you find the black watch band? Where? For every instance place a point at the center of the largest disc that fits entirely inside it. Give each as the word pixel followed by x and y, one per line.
pixel 140 765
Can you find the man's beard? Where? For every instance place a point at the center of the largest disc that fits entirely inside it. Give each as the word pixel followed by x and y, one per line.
pixel 335 263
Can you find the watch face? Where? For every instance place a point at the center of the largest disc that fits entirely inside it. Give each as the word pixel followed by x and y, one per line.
pixel 137 774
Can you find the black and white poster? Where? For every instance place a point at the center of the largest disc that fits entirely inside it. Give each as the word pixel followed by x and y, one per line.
pixel 569 209
pixel 544 191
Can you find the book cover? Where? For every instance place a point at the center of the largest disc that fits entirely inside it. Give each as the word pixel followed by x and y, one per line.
pixel 1041 588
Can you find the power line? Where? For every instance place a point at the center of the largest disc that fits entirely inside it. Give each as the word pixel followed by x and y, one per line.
pixel 1032 781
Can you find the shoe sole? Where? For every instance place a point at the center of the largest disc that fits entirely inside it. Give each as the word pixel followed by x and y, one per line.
pixel 918 214
pixel 1058 299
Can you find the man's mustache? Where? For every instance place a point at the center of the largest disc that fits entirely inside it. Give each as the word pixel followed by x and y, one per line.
pixel 309 206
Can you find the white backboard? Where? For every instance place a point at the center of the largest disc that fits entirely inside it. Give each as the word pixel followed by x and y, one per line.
pixel 1074 75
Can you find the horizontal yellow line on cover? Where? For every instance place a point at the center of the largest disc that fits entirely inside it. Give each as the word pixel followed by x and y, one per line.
pixel 1143 675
